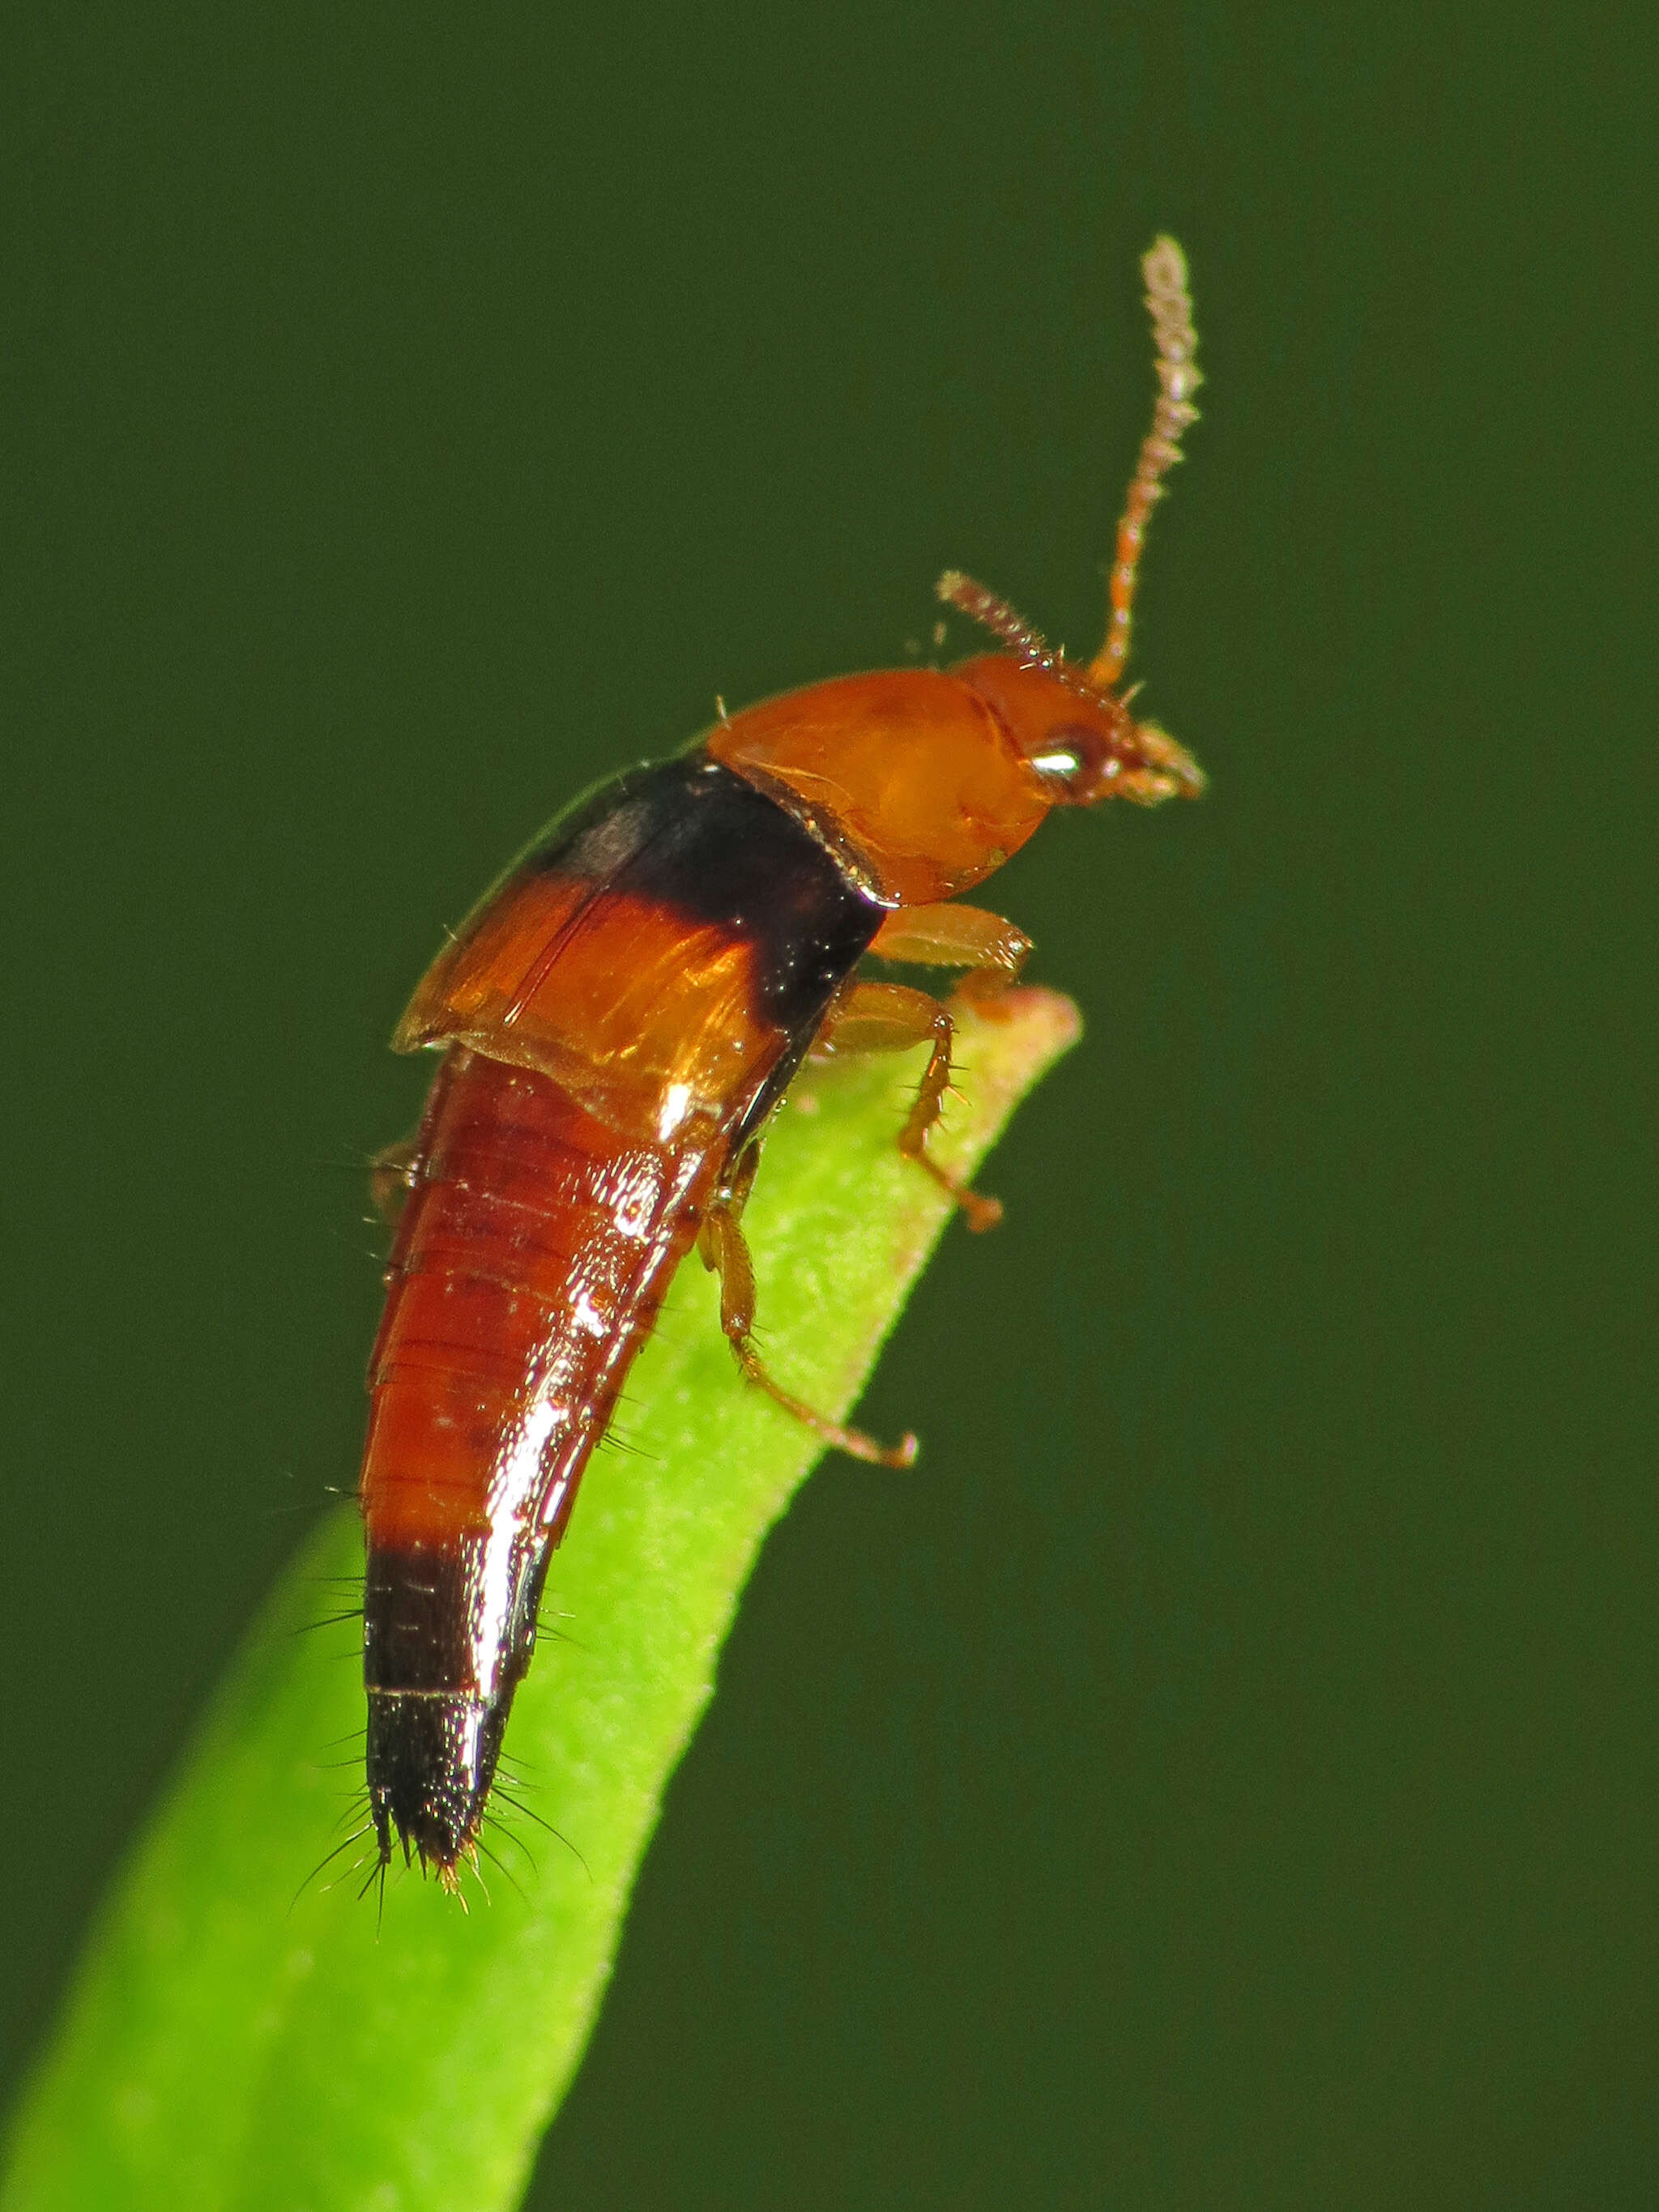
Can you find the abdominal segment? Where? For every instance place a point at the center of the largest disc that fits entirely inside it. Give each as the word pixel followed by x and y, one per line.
pixel 530 1259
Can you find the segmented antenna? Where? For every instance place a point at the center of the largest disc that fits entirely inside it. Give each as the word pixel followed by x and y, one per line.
pixel 1170 306
pixel 1027 646
pixel 982 604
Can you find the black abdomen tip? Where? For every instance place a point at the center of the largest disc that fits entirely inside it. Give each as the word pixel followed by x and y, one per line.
pixel 431 1761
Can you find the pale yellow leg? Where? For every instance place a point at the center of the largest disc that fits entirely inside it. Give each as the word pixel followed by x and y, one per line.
pixel 892 1018
pixel 991 950
pixel 725 1251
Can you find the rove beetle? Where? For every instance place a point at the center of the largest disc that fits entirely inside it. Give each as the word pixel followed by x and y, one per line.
pixel 618 1018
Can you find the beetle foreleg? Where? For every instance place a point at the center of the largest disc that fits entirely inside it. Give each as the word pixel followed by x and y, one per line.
pixel 991 950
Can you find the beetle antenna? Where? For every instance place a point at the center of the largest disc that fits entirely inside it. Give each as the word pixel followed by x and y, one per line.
pixel 1169 303
pixel 1028 646
pixel 1152 765
pixel 982 604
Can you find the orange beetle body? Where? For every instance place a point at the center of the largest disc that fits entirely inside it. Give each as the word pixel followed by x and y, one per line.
pixel 618 1018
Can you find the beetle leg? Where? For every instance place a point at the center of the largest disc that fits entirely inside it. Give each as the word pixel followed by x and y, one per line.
pixel 892 1018
pixel 392 1178
pixel 725 1250
pixel 949 936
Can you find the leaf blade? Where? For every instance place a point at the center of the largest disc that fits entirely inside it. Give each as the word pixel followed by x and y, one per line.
pixel 221 2051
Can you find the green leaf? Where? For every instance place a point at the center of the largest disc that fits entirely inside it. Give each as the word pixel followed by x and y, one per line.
pixel 225 2046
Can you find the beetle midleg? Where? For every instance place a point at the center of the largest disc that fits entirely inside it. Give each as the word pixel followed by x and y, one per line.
pixel 392 1178
pixel 725 1250
pixel 892 1018
pixel 950 936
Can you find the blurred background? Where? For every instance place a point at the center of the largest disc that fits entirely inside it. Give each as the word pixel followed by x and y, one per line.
pixel 1225 1773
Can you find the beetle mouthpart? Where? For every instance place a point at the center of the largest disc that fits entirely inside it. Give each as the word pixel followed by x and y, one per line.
pixel 1171 771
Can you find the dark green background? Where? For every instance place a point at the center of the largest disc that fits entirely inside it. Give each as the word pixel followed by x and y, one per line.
pixel 1225 1773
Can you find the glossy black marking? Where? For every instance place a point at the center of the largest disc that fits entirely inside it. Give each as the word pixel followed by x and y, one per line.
pixel 431 1760
pixel 420 1608
pixel 433 1738
pixel 692 836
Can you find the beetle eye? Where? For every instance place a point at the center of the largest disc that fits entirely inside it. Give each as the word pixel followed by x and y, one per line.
pixel 1071 759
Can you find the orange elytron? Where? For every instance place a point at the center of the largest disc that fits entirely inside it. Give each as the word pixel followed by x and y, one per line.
pixel 619 1019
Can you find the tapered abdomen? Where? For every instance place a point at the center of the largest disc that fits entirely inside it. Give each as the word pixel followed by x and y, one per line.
pixel 535 1249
